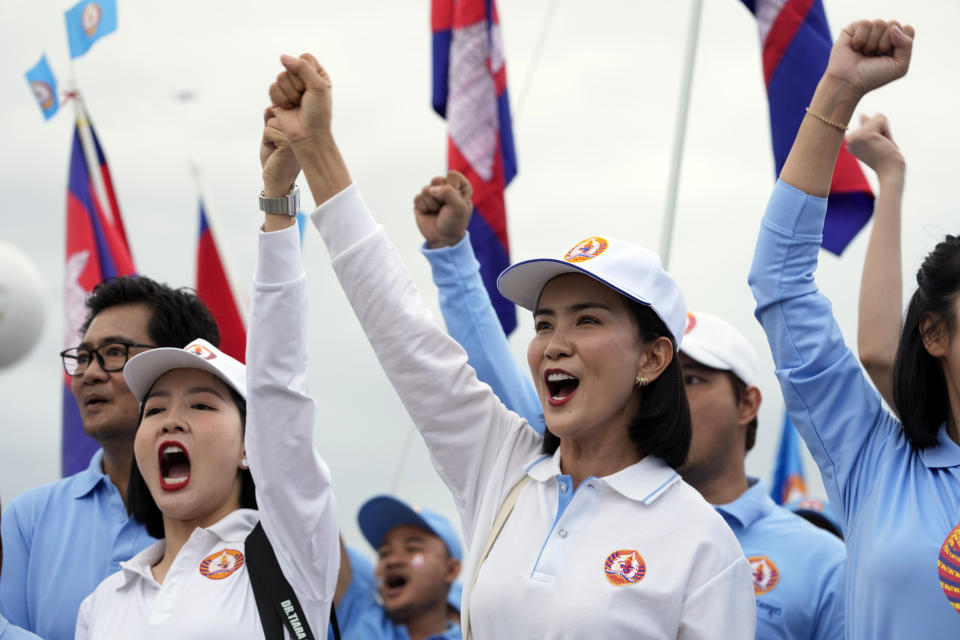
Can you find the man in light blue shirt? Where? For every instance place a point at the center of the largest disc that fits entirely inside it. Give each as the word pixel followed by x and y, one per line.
pixel 798 569
pixel 62 539
pixel 406 596
pixel 7 630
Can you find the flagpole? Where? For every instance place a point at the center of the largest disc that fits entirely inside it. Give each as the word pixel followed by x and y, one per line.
pixel 693 30
pixel 89 152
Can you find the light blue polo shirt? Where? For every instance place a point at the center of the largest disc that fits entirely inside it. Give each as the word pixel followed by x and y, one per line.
pixel 798 569
pixel 11 632
pixel 59 542
pixel 361 617
pixel 899 506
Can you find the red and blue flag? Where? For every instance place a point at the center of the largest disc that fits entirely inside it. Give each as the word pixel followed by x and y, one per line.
pixel 796 45
pixel 788 482
pixel 470 91
pixel 96 250
pixel 215 291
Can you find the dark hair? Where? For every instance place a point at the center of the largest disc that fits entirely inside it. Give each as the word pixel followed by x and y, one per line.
pixel 739 389
pixel 178 314
pixel 662 426
pixel 919 389
pixel 141 505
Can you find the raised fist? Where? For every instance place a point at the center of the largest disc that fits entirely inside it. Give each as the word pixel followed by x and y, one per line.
pixel 869 54
pixel 280 167
pixel 873 144
pixel 302 99
pixel 443 209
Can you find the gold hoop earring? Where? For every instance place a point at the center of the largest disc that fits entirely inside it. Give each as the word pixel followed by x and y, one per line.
pixel 641 382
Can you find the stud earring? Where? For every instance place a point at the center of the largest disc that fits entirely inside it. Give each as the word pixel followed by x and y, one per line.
pixel 641 382
pixel 243 462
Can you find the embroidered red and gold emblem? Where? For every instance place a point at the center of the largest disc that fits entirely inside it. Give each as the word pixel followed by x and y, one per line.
pixel 765 574
pixel 948 566
pixel 691 323
pixel 624 566
pixel 221 564
pixel 201 351
pixel 589 248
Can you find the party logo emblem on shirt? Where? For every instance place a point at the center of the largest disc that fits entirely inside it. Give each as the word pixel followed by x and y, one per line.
pixel 948 566
pixel 90 18
pixel 624 566
pixel 221 564
pixel 201 351
pixel 589 248
pixel 691 323
pixel 765 574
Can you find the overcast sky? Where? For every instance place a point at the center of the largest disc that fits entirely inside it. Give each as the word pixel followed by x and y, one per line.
pixel 593 135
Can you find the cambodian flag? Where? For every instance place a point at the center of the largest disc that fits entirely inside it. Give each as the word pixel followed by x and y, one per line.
pixel 87 22
pixel 470 91
pixel 96 250
pixel 788 483
pixel 214 289
pixel 796 45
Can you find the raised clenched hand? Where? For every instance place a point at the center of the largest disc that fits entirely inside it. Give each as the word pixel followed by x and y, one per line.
pixel 443 209
pixel 280 167
pixel 302 100
pixel 869 54
pixel 873 144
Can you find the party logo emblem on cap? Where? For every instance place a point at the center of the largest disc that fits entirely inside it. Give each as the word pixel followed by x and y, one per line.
pixel 589 248
pixel 948 566
pixel 624 566
pixel 221 564
pixel 201 351
pixel 765 574
pixel 691 323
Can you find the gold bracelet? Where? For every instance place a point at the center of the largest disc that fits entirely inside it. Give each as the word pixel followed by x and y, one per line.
pixel 835 125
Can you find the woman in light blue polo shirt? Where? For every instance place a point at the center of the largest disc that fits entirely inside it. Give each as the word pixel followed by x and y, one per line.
pixel 896 485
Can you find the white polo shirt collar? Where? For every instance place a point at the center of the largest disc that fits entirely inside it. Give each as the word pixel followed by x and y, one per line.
pixel 236 525
pixel 643 481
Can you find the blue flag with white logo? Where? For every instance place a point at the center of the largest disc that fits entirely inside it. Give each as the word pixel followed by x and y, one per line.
pixel 87 22
pixel 44 87
pixel 788 482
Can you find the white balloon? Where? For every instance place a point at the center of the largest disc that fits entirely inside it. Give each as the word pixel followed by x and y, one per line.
pixel 21 303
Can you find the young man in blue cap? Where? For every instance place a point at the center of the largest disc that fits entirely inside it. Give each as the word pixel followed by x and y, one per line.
pixel 418 561
pixel 798 570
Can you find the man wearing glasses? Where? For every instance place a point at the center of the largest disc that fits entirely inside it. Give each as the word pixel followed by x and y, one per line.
pixel 61 540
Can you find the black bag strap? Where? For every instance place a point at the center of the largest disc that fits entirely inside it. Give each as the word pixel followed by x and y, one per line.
pixel 277 603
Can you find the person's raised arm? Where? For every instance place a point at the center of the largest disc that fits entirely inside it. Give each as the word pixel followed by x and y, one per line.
pixel 866 55
pixel 881 288
pixel 443 210
pixel 293 486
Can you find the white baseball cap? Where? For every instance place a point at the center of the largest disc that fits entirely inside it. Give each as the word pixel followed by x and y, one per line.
pixel 143 369
pixel 713 342
pixel 626 268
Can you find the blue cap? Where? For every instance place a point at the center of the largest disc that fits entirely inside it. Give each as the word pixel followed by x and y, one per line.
pixel 380 514
pixel 817 512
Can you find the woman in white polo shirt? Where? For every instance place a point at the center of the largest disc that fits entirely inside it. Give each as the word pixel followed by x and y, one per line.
pixel 218 448
pixel 605 539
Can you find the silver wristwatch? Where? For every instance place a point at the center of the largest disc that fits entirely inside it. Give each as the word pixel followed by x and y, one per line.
pixel 288 205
